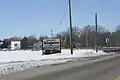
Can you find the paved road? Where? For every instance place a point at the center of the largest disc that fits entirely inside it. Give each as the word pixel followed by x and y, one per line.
pixel 103 70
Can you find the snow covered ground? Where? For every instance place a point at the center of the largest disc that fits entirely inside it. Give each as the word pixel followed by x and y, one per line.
pixel 12 61
pixel 10 56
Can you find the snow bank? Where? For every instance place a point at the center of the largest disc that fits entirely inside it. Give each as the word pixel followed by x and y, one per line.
pixel 10 56
pixel 15 67
pixel 12 61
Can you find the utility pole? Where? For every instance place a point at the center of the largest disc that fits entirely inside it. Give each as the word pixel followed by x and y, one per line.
pixel 96 28
pixel 110 39
pixel 86 38
pixel 42 47
pixel 51 33
pixel 60 41
pixel 70 19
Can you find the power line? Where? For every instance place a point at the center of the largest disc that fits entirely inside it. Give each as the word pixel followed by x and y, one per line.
pixel 51 33
pixel 62 7
pixel 61 3
pixel 61 20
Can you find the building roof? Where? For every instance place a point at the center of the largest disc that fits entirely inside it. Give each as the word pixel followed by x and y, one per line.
pixel 15 39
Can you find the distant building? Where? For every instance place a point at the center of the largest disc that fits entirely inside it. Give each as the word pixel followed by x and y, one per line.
pixel 15 45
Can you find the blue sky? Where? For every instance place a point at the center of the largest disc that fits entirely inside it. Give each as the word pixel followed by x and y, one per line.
pixel 37 17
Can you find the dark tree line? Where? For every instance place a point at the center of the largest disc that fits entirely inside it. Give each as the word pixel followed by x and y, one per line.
pixel 6 43
pixel 85 37
pixel 26 42
pixel 82 37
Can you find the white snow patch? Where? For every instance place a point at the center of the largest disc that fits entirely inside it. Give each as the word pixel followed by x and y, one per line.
pixel 22 60
pixel 11 56
pixel 14 67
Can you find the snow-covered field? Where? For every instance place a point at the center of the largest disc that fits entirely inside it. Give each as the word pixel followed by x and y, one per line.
pixel 10 56
pixel 12 61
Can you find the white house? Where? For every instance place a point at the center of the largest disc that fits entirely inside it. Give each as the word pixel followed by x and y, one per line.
pixel 15 45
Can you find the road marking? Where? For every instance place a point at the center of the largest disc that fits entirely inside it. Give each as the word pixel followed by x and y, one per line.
pixel 118 78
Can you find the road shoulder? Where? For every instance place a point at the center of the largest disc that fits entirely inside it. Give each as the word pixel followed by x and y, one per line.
pixel 51 69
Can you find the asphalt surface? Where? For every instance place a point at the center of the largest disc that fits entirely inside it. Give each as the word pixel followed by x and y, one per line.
pixel 102 70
